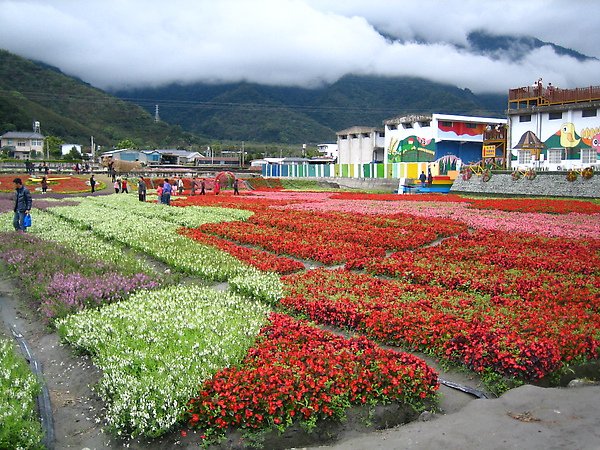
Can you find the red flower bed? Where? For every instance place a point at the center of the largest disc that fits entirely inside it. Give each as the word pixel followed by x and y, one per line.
pixel 257 258
pixel 59 184
pixel 552 206
pixel 531 267
pixel 296 372
pixel 526 339
pixel 227 200
pixel 333 238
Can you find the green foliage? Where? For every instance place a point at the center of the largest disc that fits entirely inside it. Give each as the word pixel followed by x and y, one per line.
pixel 54 143
pixel 126 143
pixel 19 427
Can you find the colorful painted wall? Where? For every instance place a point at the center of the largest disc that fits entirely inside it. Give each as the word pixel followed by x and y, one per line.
pixel 445 166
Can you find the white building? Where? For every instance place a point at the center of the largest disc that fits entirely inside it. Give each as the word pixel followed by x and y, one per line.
pixel 565 122
pixel 360 145
pixel 328 150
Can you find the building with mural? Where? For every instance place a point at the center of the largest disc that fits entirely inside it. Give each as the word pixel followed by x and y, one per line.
pixel 429 137
pixel 554 129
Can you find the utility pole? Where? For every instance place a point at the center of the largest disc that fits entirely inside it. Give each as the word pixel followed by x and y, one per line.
pixel 92 149
pixel 242 165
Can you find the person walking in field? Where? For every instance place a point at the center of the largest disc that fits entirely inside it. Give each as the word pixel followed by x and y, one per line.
pixel 193 186
pixel 236 190
pixel 202 187
pixel 124 189
pixel 167 191
pixel 159 192
pixel 22 204
pixel 44 185
pixel 180 186
pixel 217 187
pixel 93 184
pixel 117 186
pixel 142 190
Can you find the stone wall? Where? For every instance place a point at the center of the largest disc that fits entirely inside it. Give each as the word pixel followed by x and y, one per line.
pixel 552 184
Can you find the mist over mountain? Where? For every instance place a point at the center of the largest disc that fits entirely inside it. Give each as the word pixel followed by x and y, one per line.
pixel 244 110
pixel 515 47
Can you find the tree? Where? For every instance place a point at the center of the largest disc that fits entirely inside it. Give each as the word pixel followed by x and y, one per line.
pixel 54 146
pixel 74 153
pixel 126 143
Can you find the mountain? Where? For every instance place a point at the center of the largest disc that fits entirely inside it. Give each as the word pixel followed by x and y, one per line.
pixel 514 47
pixel 200 113
pixel 73 110
pixel 253 112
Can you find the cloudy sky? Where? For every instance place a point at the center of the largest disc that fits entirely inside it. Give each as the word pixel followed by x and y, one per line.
pixel 128 43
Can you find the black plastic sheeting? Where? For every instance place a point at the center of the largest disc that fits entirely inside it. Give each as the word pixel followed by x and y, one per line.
pixel 43 399
pixel 461 387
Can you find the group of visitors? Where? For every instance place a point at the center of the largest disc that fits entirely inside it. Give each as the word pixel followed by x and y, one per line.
pixel 426 180
pixel 120 185
pixel 198 184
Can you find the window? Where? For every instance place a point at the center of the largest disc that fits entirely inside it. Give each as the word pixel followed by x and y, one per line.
pixel 446 124
pixel 588 156
pixel 471 125
pixel 407 125
pixel 381 134
pixel 555 116
pixel 554 155
pixel 392 127
pixel 366 135
pixel 524 157
pixel 21 144
pixel 424 124
pixel 343 137
pixel 354 136
pixel 589 113
pixel 525 118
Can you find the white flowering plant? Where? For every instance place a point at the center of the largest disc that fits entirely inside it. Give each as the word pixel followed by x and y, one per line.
pixel 155 349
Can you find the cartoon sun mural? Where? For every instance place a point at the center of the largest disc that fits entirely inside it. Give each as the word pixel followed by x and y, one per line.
pixel 411 149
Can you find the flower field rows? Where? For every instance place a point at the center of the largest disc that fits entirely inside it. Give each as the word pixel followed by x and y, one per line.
pixel 517 304
pixel 348 237
pixel 511 336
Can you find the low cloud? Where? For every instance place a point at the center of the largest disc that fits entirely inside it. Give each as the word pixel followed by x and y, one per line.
pixel 114 44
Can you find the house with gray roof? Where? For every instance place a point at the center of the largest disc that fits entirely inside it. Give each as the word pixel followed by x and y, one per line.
pixel 22 144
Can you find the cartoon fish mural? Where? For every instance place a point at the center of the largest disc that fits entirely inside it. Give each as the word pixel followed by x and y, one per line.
pixel 596 143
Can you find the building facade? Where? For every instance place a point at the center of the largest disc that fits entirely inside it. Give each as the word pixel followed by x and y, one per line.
pixel 360 145
pixel 23 144
pixel 429 137
pixel 565 124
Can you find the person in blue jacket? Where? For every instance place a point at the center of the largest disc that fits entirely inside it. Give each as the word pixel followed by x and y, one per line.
pixel 22 204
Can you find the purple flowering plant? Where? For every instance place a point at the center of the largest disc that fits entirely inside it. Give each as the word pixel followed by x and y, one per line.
pixel 60 281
